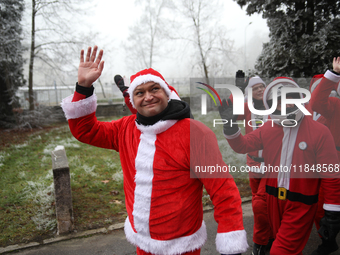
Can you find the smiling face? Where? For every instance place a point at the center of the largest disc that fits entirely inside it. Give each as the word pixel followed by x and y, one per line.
pixel 258 90
pixel 150 99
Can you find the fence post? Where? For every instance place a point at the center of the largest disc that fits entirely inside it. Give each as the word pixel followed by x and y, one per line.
pixel 62 190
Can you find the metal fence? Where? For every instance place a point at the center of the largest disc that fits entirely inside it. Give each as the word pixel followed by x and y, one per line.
pixel 106 92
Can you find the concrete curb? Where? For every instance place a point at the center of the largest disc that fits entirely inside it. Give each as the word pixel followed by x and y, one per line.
pixel 83 234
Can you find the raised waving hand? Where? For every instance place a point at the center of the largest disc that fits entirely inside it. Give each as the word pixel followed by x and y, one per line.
pixel 336 64
pixel 91 67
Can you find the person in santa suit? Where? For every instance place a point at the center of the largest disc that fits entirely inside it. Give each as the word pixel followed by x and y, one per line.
pixel 325 105
pixel 293 145
pixel 261 229
pixel 160 150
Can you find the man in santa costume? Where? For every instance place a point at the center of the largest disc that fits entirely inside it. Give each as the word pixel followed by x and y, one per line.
pixel 293 145
pixel 160 149
pixel 255 161
pixel 328 108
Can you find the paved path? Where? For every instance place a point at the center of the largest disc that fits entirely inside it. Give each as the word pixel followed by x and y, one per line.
pixel 115 243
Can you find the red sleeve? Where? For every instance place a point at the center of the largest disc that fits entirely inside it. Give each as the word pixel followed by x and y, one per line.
pixel 77 96
pixel 248 143
pixel 129 105
pixel 319 101
pixel 89 130
pixel 220 185
pixel 327 159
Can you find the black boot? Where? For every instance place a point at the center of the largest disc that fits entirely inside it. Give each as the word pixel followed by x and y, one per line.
pixel 327 247
pixel 258 249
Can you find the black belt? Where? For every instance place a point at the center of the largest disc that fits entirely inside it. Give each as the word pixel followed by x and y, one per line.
pixel 283 194
pixel 256 159
pixel 338 148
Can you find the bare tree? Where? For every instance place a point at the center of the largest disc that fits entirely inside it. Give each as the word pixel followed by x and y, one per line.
pixel 201 27
pixel 146 36
pixel 52 36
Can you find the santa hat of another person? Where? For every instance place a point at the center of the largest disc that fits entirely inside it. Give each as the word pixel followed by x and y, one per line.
pixel 293 114
pixel 252 82
pixel 148 75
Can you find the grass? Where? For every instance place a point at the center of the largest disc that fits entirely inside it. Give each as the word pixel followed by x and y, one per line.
pixel 27 208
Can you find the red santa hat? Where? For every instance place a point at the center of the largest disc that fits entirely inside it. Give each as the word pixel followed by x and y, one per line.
pixel 148 75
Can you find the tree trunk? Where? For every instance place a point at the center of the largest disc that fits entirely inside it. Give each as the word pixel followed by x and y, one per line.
pixel 310 21
pixel 30 69
pixel 5 98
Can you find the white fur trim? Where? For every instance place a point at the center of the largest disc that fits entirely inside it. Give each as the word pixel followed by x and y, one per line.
pixel 330 207
pixel 232 242
pixel 287 149
pixel 234 135
pixel 144 79
pixel 332 76
pixel 156 128
pixel 144 174
pixel 166 247
pixel 252 82
pixel 143 179
pixel 174 95
pixel 255 80
pixel 79 108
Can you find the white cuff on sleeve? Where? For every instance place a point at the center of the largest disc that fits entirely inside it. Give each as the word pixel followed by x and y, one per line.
pixel 234 135
pixel 332 76
pixel 79 108
pixel 232 242
pixel 330 207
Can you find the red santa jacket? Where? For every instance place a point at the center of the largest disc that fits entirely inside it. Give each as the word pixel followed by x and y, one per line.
pixel 328 107
pixel 163 200
pixel 296 151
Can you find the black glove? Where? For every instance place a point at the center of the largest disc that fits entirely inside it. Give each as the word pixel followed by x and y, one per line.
pixel 226 113
pixel 240 82
pixel 329 225
pixel 120 83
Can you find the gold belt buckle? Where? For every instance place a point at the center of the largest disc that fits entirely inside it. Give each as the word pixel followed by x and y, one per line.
pixel 282 195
